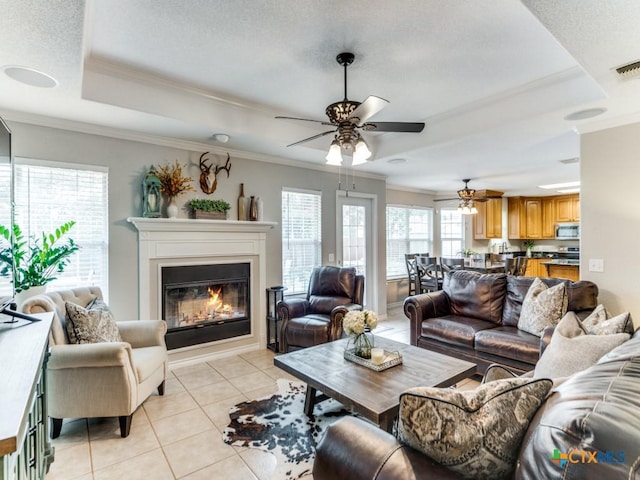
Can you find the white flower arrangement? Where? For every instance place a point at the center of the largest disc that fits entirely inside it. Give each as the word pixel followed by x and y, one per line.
pixel 355 321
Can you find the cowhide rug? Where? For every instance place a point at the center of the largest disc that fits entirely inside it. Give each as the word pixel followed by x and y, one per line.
pixel 278 425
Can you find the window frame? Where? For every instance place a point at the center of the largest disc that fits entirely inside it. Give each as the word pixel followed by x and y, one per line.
pixel 407 247
pixel 451 239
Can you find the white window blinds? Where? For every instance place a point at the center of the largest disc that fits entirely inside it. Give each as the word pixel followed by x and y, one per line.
pixel 49 194
pixel 301 238
pixel 409 230
pixel 451 232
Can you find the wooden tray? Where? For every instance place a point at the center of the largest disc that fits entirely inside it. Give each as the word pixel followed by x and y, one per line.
pixel 391 359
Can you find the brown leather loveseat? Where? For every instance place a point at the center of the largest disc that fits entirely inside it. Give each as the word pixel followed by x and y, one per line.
pixel 475 318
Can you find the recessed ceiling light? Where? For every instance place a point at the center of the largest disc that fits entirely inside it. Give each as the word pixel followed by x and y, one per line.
pixel 584 114
pixel 221 137
pixel 30 76
pixel 397 161
pixel 554 186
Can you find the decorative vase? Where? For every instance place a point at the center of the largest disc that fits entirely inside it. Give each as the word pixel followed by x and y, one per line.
pixel 260 209
pixel 528 253
pixel 363 343
pixel 172 208
pixel 253 209
pixel 242 204
pixel 24 295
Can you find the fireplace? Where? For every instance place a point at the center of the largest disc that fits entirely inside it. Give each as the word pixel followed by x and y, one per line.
pixel 205 303
pixel 168 243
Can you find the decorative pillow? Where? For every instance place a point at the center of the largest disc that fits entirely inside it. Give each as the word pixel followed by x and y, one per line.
pixel 475 433
pixel 92 324
pixel 573 349
pixel 542 307
pixel 600 322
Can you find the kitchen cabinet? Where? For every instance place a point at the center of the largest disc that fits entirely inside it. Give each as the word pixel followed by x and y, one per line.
pixel 569 272
pixel 568 208
pixel 548 217
pixel 487 223
pixel 533 217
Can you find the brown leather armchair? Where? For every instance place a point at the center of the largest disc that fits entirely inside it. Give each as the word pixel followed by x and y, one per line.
pixel 316 319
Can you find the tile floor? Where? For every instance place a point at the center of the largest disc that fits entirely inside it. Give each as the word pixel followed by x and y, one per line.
pixel 178 436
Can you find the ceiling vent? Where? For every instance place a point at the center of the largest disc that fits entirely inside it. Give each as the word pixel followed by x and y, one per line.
pixel 632 70
pixel 568 161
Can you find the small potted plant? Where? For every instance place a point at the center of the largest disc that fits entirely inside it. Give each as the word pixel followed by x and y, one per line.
pixel 209 209
pixel 528 245
pixel 34 264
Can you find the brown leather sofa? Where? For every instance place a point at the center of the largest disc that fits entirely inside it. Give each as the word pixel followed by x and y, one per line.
pixel 316 319
pixel 595 410
pixel 475 318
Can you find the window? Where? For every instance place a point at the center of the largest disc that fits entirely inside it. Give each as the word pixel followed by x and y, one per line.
pixel 301 238
pixel 49 194
pixel 409 230
pixel 451 232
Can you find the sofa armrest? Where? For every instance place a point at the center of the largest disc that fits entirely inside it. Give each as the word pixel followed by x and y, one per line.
pixel 545 338
pixel 355 449
pixel 337 316
pixel 90 355
pixel 143 333
pixel 292 308
pixel 427 305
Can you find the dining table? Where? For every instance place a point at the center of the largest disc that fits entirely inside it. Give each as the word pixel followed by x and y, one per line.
pixel 484 267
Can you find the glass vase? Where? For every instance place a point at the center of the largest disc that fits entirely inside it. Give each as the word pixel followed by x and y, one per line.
pixel 172 208
pixel 362 344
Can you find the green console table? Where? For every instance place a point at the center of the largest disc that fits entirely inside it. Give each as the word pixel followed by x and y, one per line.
pixel 25 448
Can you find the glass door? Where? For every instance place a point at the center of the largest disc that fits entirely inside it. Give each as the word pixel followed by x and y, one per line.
pixel 354 242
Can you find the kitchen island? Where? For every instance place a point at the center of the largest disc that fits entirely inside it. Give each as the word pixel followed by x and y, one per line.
pixel 563 268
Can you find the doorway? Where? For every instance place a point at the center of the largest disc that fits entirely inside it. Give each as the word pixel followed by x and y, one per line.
pixel 355 242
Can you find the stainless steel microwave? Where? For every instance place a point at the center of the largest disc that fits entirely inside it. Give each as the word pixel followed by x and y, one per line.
pixel 567 231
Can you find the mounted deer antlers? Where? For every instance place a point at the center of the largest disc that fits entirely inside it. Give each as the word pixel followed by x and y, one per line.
pixel 206 173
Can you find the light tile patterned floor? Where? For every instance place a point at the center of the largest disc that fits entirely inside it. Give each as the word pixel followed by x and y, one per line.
pixel 178 436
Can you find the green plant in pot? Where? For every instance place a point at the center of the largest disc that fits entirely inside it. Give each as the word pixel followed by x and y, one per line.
pixel 37 262
pixel 528 245
pixel 207 208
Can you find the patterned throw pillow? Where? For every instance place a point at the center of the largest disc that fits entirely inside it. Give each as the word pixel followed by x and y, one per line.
pixel 600 322
pixel 572 349
pixel 475 433
pixel 92 324
pixel 542 307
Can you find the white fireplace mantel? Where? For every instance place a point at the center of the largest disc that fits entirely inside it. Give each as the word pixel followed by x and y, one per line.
pixel 175 241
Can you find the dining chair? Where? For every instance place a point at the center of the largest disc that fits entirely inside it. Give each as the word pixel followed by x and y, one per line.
pixel 516 266
pixel 449 264
pixel 428 273
pixel 410 261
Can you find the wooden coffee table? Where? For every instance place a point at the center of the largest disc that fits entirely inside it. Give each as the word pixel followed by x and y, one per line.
pixel 374 395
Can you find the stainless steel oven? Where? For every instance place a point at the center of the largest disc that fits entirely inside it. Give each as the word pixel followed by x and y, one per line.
pixel 568 231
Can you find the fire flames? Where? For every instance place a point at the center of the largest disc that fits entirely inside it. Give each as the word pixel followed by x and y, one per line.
pixel 215 303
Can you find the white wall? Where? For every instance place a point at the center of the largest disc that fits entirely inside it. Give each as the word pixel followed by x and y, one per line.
pixel 610 217
pixel 128 161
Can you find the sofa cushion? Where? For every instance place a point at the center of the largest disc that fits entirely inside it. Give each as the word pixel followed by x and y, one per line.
pixel 595 410
pixel 454 329
pixel 600 322
pixel 572 349
pixel 476 295
pixel 93 324
pixel 509 342
pixel 324 304
pixel 147 360
pixel 582 296
pixel 476 433
pixel 542 307
pixel 307 331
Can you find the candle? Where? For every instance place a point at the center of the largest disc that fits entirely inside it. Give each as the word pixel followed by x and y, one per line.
pixel 377 356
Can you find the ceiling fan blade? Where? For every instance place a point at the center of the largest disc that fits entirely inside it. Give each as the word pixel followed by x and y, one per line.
pixel 312 138
pixel 304 120
pixel 408 127
pixel 368 108
pixel 445 199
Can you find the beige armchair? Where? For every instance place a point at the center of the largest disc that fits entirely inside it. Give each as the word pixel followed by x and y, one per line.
pixel 108 379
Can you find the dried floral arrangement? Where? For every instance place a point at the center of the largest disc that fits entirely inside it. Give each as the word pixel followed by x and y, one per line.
pixel 172 180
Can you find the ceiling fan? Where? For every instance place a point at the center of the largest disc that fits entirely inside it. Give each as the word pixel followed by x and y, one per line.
pixel 350 118
pixel 466 198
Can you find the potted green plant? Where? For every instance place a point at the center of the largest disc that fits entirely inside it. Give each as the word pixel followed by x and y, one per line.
pixel 528 245
pixel 34 263
pixel 209 209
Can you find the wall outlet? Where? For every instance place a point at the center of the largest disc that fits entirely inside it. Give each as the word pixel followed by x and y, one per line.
pixel 596 265
pixel 332 257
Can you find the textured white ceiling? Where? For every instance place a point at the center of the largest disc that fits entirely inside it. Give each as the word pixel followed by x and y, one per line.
pixel 492 79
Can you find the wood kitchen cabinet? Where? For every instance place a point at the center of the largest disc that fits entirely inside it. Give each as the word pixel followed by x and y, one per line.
pixel 567 208
pixel 548 217
pixel 535 267
pixel 487 223
pixel 533 217
pixel 569 272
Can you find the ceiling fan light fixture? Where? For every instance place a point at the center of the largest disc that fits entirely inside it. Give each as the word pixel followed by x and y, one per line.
pixel 361 153
pixel 334 157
